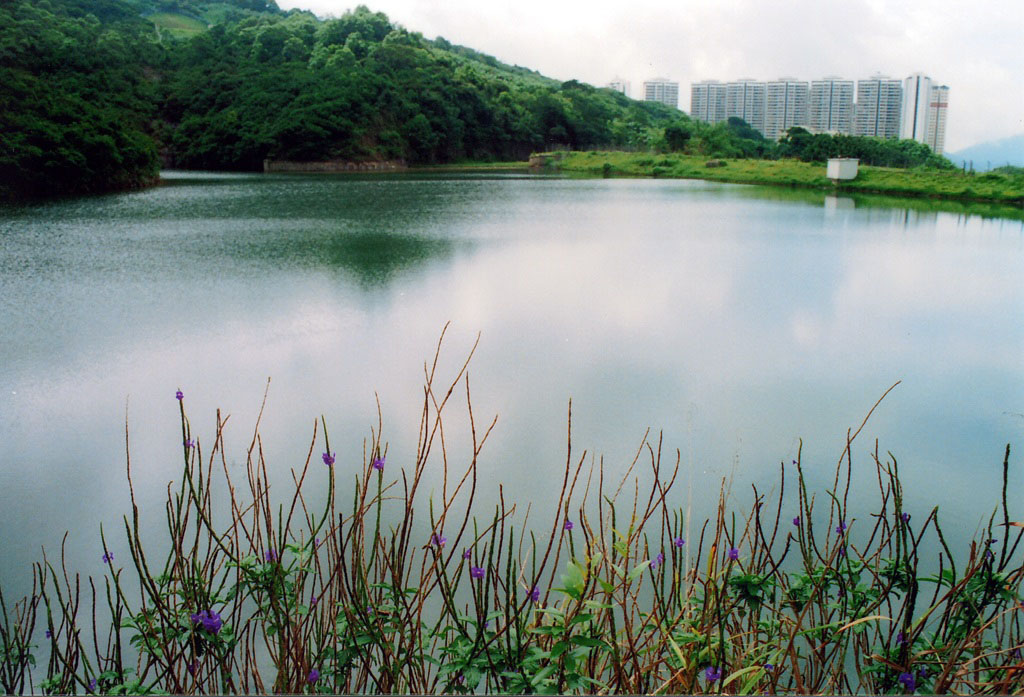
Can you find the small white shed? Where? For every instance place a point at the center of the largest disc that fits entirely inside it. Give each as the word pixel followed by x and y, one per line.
pixel 842 168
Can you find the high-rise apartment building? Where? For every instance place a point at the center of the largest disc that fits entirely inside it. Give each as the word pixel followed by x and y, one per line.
pixel 745 99
pixel 619 85
pixel 917 92
pixel 830 106
pixel 707 101
pixel 879 100
pixel 935 136
pixel 785 106
pixel 924 111
pixel 662 90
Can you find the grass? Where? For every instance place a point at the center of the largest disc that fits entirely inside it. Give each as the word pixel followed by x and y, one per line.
pixel 374 587
pixel 177 24
pixel 997 188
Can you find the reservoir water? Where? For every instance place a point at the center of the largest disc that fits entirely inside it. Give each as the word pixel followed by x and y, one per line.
pixel 734 320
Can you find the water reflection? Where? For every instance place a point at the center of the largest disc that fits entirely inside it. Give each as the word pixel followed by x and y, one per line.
pixel 835 203
pixel 737 319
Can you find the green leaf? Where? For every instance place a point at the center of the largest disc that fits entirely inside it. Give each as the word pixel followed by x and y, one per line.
pixel 572 579
pixel 542 674
pixel 582 617
pixel 590 641
pixel 639 569
pixel 740 673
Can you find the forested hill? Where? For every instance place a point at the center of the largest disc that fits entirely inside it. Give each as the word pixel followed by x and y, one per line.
pixel 94 93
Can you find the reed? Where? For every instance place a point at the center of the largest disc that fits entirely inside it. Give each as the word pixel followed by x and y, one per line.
pixel 374 587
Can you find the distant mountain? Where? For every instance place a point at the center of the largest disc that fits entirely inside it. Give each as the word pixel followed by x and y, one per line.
pixel 991 154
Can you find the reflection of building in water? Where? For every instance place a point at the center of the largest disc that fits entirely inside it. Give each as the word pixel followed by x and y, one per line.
pixel 908 216
pixel 835 204
pixel 890 214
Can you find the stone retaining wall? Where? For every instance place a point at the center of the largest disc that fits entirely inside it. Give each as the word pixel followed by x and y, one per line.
pixel 333 166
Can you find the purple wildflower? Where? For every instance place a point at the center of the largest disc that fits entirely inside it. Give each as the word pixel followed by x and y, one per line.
pixel 568 524
pixel 328 458
pixel 901 639
pixel 209 620
pixel 467 554
pixel 438 540
pixel 190 443
pixel 769 667
pixel 989 554
pixel 657 561
pixel 923 673
pixel 476 571
pixel 905 517
pixel 487 625
pixel 179 395
pixel 316 542
pixel 314 675
pixel 842 552
pixel 679 542
pixel 314 600
pixel 841 528
pixel 908 681
pixel 534 594
pixel 734 554
pixel 270 555
pixel 92 685
pixel 796 521
pixel 378 463
pixel 712 674
pixel 107 558
pixel 193 667
pixel 49 634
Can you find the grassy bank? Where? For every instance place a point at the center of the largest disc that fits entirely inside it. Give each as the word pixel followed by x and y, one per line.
pixel 954 185
pixel 357 581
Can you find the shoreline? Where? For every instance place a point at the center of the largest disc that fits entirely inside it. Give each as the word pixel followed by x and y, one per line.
pixel 955 186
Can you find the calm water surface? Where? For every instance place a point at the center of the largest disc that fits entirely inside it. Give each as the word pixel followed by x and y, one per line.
pixel 736 320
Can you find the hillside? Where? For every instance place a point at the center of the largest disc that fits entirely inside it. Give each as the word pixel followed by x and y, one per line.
pixel 92 90
pixel 991 154
pixel 75 102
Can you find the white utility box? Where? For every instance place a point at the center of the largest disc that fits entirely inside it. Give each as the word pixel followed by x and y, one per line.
pixel 842 168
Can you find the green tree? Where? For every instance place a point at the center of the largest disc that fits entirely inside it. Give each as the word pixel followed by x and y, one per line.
pixel 677 135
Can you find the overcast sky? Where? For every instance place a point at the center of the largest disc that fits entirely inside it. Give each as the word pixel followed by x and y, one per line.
pixel 973 47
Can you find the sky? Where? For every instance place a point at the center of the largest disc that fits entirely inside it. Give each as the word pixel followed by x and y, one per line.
pixel 973 47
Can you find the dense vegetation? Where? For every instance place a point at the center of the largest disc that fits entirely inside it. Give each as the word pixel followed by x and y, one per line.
pixel 75 103
pixel 359 88
pixel 91 90
pixel 737 139
pixel 357 581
